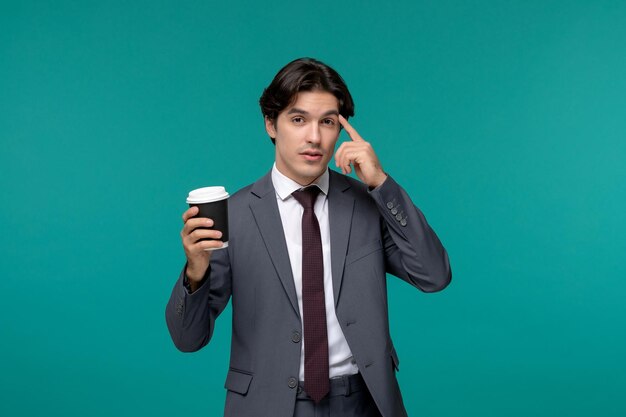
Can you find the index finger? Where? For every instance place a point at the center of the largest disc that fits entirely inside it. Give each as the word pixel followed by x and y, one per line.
pixel 354 135
pixel 192 211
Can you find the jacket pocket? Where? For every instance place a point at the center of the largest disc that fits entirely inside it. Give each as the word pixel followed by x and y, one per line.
pixel 238 381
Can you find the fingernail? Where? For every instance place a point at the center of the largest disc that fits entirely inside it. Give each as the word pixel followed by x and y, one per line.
pixel 209 222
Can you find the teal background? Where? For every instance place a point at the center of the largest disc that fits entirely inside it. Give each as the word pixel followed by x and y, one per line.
pixel 505 121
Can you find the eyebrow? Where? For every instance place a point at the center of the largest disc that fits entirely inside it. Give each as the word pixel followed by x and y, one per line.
pixel 306 113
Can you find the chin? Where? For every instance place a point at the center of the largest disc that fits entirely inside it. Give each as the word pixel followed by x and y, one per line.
pixel 310 175
pixel 314 171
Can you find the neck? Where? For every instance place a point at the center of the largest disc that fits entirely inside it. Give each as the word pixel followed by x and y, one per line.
pixel 302 181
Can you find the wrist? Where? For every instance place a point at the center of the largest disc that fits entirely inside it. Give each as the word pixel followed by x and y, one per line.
pixel 192 286
pixel 194 274
pixel 378 180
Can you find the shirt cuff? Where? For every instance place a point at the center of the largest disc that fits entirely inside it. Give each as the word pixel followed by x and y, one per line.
pixel 187 285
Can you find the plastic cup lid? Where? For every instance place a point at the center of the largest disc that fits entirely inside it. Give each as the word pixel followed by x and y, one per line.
pixel 207 195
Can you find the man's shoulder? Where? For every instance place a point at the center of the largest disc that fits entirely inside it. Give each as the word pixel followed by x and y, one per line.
pixel 260 186
pixel 343 182
pixel 241 194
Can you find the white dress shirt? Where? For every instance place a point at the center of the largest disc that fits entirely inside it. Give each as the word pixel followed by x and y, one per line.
pixel 339 355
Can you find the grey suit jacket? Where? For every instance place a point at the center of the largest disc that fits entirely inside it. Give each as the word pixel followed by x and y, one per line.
pixel 371 234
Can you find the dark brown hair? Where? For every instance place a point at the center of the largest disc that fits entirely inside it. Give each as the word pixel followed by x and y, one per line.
pixel 304 74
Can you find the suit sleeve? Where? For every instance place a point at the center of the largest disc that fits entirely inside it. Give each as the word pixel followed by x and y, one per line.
pixel 413 251
pixel 191 317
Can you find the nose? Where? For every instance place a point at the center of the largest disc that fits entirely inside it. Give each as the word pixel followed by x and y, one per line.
pixel 314 134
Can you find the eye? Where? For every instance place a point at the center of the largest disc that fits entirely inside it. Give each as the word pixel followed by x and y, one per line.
pixel 329 122
pixel 298 120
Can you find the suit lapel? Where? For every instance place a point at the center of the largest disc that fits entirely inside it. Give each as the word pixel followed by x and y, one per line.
pixel 340 209
pixel 265 211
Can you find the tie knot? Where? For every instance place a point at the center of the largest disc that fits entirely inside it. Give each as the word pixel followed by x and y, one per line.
pixel 307 196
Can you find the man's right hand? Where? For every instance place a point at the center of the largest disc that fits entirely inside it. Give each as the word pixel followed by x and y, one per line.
pixel 198 256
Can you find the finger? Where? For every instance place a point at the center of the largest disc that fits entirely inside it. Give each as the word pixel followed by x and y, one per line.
pixel 194 223
pixel 192 211
pixel 348 153
pixel 199 234
pixel 210 244
pixel 192 245
pixel 340 158
pixel 203 245
pixel 338 154
pixel 354 135
pixel 351 148
pixel 343 150
pixel 345 165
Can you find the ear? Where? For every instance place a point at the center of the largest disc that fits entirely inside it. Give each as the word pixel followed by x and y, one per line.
pixel 269 127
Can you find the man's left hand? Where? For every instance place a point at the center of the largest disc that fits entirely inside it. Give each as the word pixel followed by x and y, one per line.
pixel 359 153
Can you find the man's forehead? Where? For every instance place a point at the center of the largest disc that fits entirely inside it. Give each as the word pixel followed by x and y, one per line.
pixel 314 101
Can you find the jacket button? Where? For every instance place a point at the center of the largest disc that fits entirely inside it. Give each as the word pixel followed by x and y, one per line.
pixel 398 217
pixel 403 222
pixel 390 205
pixel 295 337
pixel 292 382
pixel 394 211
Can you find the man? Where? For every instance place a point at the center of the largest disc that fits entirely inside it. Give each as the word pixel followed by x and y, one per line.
pixel 306 265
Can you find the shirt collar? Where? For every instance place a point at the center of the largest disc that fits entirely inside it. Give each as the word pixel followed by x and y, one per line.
pixel 284 185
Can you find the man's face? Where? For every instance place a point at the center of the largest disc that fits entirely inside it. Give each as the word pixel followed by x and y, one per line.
pixel 306 133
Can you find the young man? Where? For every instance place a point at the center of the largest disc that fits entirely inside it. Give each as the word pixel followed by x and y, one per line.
pixel 306 265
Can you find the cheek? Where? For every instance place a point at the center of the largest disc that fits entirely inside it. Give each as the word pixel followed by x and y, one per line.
pixel 331 142
pixel 286 147
pixel 289 135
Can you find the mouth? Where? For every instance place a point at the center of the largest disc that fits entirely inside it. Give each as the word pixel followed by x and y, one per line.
pixel 311 155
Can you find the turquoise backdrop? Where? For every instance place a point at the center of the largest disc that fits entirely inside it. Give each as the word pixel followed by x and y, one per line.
pixel 505 121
